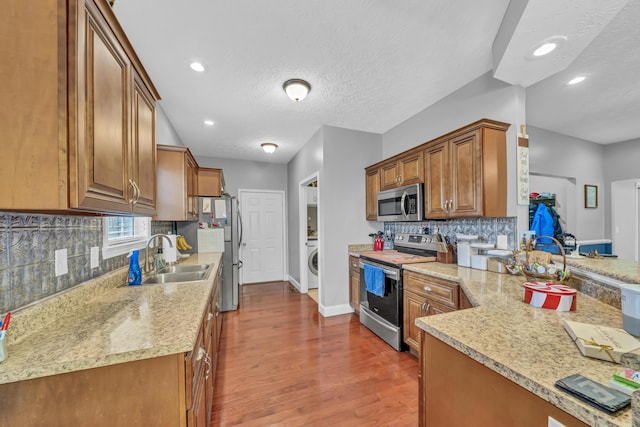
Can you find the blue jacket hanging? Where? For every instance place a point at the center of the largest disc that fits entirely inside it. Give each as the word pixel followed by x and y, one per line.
pixel 543 223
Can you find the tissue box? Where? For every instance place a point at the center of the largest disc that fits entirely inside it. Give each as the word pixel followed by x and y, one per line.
pixel 548 295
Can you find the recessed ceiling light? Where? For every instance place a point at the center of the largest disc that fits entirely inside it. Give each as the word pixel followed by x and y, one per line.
pixel 209 122
pixel 546 46
pixel 576 80
pixel 545 49
pixel 196 66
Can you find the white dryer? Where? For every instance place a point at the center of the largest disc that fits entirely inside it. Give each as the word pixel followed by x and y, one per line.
pixel 312 263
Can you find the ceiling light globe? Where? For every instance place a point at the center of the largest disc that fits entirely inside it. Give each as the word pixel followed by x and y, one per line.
pixel 269 147
pixel 296 89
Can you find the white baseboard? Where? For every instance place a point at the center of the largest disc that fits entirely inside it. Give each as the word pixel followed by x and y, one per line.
pixel 295 283
pixel 334 310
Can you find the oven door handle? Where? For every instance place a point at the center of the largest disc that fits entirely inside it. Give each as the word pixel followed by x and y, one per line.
pixel 392 274
pixel 403 200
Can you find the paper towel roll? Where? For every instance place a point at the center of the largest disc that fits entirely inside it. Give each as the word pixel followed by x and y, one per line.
pixel 170 254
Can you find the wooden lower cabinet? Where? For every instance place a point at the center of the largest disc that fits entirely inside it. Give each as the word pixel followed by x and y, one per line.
pixel 175 390
pixel 425 296
pixel 354 283
pixel 455 390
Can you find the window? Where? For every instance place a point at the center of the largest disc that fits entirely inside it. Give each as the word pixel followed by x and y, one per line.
pixel 124 233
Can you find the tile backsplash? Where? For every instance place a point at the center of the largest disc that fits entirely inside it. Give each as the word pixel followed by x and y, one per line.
pixel 27 246
pixel 486 228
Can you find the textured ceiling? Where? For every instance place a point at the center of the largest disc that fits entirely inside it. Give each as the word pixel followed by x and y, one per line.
pixel 372 64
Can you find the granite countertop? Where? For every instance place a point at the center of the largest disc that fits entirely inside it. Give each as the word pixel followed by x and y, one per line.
pixel 355 250
pixel 619 269
pixel 102 323
pixel 525 344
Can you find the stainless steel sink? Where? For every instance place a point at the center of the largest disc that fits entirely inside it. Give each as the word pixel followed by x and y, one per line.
pixel 178 274
pixel 190 276
pixel 184 268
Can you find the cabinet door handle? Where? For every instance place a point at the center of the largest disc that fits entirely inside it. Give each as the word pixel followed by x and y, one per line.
pixel 201 353
pixel 207 361
pixel 446 205
pixel 135 184
pixel 427 309
pixel 426 288
pixel 209 316
pixel 132 200
pixel 423 308
pixel 450 205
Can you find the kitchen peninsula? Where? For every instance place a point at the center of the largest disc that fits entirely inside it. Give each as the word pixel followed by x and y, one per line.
pixel 496 363
pixel 106 354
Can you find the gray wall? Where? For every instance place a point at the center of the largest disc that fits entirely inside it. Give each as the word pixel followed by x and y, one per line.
pixel 306 162
pixel 554 154
pixel 484 97
pixel 342 206
pixel 248 174
pixel 621 162
pixel 165 133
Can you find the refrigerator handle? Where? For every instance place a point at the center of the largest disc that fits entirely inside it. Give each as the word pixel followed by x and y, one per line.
pixel 240 227
pixel 239 264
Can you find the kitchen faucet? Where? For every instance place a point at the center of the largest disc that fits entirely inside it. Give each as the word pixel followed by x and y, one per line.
pixel 147 265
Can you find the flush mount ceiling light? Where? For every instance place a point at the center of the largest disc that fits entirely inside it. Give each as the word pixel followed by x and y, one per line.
pixel 576 80
pixel 196 66
pixel 296 89
pixel 209 122
pixel 546 46
pixel 269 147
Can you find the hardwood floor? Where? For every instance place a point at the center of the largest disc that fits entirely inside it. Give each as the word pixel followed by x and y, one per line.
pixel 283 364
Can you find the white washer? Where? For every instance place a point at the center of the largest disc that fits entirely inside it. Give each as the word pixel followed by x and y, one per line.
pixel 312 263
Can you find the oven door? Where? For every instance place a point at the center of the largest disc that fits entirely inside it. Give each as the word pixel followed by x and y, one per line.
pixel 389 307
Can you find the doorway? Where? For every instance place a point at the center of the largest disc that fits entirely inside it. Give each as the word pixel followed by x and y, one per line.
pixel 310 232
pixel 625 218
pixel 263 243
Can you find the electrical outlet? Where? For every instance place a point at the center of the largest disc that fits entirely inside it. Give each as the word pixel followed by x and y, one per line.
pixel 95 257
pixel 61 266
pixel 502 242
pixel 554 423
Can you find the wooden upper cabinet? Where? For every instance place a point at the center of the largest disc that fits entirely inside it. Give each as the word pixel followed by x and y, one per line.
pixel 143 147
pixel 466 172
pixel 177 184
pixel 210 182
pixel 75 135
pixel 408 169
pixel 436 189
pixel 372 184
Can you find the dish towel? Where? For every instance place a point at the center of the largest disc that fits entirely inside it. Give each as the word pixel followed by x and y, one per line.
pixel 374 280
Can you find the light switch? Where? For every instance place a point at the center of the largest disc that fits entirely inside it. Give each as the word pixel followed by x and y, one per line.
pixel 61 266
pixel 95 257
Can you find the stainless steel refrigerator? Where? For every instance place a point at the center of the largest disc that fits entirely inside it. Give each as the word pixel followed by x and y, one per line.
pixel 219 213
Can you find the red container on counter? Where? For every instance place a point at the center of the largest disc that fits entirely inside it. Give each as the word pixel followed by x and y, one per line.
pixel 549 295
pixel 378 244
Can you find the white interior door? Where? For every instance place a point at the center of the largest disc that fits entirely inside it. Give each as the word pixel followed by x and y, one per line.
pixel 262 250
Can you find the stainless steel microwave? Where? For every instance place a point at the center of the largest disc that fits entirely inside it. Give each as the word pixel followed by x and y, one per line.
pixel 401 204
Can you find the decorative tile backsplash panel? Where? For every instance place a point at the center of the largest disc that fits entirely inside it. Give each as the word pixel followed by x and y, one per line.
pixel 486 228
pixel 27 246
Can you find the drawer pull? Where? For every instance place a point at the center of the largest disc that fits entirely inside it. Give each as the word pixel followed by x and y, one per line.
pixel 426 288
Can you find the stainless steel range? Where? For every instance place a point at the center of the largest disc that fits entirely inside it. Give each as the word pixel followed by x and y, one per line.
pixel 383 313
